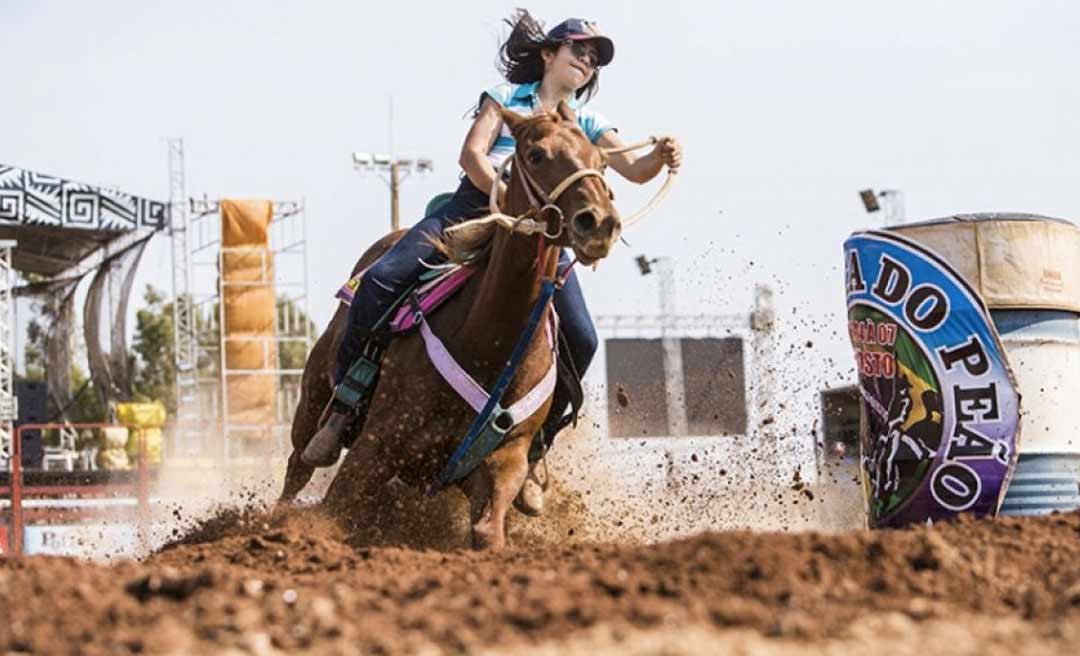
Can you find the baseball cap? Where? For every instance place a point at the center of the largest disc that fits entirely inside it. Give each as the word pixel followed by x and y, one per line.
pixel 579 29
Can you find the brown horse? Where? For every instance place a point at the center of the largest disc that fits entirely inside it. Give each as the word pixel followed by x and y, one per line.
pixel 416 419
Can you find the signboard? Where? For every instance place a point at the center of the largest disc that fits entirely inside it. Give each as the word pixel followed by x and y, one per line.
pixel 940 411
pixel 93 541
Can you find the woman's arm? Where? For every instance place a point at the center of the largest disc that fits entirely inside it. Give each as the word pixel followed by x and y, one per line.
pixel 641 169
pixel 474 152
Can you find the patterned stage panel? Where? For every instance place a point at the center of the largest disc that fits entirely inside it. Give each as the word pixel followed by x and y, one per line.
pixel 44 200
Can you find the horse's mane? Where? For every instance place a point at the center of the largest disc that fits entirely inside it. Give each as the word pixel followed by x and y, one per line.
pixel 468 242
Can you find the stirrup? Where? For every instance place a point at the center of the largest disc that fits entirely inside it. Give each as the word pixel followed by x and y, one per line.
pixel 358 383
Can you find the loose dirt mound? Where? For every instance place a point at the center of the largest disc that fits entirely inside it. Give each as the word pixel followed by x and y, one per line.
pixel 292 585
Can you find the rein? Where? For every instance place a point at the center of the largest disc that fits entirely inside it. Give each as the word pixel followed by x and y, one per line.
pixel 527 224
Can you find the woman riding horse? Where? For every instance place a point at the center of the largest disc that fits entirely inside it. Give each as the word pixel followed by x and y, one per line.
pixel 541 70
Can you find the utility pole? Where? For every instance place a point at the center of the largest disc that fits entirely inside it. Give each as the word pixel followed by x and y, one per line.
pixel 398 170
pixel 395 196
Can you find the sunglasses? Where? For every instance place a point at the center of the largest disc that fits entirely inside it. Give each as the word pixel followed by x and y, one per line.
pixel 584 53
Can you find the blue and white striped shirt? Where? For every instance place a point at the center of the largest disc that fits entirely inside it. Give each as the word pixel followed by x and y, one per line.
pixel 523 99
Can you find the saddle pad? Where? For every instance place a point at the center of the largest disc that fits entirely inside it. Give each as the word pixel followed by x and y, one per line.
pixel 430 294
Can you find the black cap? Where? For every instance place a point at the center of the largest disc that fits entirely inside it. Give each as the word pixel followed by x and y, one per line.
pixel 579 29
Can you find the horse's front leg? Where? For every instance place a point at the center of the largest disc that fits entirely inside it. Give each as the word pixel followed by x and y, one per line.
pixel 491 489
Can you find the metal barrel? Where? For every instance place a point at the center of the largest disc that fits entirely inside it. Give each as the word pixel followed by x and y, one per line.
pixel 1044 351
pixel 1043 483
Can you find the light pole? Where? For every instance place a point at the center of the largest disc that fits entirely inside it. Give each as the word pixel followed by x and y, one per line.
pixel 398 170
pixel 670 343
pixel 665 285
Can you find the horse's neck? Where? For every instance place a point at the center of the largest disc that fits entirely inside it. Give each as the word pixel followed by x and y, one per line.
pixel 509 285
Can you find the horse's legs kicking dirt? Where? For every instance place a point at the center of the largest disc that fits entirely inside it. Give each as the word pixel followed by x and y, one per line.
pixel 297 475
pixel 359 484
pixel 315 392
pixel 491 489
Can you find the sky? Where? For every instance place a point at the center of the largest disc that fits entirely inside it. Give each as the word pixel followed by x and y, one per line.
pixel 785 109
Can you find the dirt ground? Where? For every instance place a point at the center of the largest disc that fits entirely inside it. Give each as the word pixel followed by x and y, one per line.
pixel 248 583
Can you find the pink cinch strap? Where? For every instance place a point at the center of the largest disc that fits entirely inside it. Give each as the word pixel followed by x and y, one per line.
pixel 473 393
pixel 451 371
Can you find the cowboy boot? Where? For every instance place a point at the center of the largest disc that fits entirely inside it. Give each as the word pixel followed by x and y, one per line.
pixel 325 448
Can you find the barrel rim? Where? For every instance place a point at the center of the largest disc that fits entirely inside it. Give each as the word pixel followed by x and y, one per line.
pixel 980 217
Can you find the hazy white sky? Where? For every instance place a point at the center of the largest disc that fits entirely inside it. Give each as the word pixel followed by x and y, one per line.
pixel 785 109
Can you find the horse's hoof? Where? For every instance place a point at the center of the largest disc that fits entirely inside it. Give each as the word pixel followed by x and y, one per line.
pixel 530 499
pixel 325 448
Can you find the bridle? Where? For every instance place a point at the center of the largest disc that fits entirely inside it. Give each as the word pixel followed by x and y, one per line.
pixel 541 201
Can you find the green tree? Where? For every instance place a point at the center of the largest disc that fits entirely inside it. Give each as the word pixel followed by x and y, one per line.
pixel 154 346
pixel 34 351
pixel 292 354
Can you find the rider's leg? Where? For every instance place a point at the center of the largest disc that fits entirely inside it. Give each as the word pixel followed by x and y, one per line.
pixel 582 342
pixel 388 278
pixel 384 283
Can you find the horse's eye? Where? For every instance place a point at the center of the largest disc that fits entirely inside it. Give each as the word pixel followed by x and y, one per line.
pixel 535 156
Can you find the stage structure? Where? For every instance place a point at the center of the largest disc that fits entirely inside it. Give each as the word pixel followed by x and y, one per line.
pixel 216 379
pixel 55 233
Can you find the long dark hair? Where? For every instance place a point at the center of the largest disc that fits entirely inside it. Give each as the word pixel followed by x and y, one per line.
pixel 520 61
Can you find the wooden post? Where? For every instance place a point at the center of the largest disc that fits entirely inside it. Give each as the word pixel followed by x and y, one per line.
pixel 395 181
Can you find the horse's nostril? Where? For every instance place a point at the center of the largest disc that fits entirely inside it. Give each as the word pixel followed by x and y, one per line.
pixel 584 222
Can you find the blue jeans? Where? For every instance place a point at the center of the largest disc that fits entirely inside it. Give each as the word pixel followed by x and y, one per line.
pixel 388 279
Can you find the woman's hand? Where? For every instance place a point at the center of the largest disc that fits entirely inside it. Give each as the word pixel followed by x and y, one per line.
pixel 644 167
pixel 669 151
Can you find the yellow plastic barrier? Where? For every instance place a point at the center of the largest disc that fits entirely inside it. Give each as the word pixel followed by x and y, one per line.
pixel 112 453
pixel 143 420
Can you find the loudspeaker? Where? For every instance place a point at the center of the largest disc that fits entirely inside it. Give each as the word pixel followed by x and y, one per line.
pixel 33 401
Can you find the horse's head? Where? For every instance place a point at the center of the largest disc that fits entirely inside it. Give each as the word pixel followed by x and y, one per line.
pixel 561 174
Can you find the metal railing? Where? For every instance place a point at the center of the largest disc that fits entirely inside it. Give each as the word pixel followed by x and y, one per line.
pixel 17 490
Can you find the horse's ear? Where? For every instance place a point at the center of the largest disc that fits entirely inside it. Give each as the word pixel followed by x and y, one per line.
pixel 567 113
pixel 512 119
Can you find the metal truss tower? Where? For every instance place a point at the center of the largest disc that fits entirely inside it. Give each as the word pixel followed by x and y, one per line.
pixel 188 410
pixel 8 404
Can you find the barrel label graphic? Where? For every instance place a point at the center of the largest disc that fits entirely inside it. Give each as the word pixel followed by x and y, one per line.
pixel 941 414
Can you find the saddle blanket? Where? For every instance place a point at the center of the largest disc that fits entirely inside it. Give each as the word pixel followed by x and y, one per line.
pixel 430 294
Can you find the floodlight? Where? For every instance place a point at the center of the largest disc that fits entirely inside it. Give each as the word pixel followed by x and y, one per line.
pixel 644 264
pixel 869 200
pixel 361 160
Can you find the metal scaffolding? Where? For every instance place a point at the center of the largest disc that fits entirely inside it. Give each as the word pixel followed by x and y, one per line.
pixel 189 410
pixel 8 404
pixel 205 399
